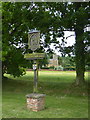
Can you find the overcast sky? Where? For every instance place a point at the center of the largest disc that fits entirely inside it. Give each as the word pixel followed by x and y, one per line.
pixel 70 41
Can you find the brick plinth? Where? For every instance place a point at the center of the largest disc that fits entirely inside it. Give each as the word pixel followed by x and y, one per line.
pixel 35 101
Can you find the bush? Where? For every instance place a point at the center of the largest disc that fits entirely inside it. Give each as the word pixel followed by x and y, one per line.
pixel 58 68
pixel 52 67
pixel 45 68
pixel 87 67
pixel 69 68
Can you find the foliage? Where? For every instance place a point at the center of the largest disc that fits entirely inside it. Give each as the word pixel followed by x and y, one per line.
pixel 68 63
pixel 13 62
pixel 51 67
pixel 52 19
pixel 74 17
pixel 12 43
pixel 43 62
pixel 15 29
pixel 59 68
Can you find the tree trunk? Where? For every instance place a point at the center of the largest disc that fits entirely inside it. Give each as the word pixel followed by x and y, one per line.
pixel 3 71
pixel 79 48
pixel 80 57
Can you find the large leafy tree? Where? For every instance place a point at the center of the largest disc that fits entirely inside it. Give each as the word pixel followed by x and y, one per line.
pixel 12 31
pixel 52 19
pixel 75 17
pixel 72 17
pixel 17 20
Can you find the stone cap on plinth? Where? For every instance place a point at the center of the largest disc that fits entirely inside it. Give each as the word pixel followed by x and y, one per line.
pixel 35 95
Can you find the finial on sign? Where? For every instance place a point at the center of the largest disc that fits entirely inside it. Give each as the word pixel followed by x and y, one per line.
pixel 33 31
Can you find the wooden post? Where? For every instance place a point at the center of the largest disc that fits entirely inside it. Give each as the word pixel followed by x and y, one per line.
pixel 35 89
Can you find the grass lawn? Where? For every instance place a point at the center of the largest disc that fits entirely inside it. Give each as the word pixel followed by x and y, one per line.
pixel 63 99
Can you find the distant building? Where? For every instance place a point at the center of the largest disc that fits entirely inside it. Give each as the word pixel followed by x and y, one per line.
pixel 53 61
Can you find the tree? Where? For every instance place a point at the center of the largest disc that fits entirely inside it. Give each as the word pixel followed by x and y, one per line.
pixel 52 19
pixel 72 16
pixel 15 29
pixel 77 20
pixel 43 62
pixel 13 61
pixel 75 17
pixel 68 63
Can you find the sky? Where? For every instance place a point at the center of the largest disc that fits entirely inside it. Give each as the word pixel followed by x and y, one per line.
pixel 70 41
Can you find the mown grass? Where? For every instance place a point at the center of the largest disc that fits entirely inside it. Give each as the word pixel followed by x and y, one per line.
pixel 63 99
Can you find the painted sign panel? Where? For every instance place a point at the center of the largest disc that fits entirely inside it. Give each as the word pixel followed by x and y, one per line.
pixel 33 40
pixel 34 56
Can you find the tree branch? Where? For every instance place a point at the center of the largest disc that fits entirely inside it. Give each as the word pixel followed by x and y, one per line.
pixel 69 36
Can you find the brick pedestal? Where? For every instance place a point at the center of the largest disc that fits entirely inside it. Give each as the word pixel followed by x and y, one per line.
pixel 35 101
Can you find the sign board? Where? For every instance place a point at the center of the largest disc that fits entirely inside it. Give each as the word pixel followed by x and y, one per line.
pixel 34 56
pixel 33 40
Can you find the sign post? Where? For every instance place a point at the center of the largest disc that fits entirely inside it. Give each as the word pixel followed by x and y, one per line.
pixel 34 44
pixel 35 101
pixel 35 68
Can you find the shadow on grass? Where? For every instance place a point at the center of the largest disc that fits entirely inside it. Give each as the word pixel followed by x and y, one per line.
pixel 49 88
